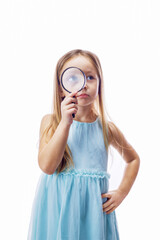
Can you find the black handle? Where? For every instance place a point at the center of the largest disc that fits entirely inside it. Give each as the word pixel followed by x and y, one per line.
pixel 73 114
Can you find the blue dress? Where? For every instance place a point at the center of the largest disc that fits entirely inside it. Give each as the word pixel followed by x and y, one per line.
pixel 68 206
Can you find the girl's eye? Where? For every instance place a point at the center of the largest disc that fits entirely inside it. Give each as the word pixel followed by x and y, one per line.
pixel 90 77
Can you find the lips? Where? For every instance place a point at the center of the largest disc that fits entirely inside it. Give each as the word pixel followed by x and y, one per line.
pixel 83 95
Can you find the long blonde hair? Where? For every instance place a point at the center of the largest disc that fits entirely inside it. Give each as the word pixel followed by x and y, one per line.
pixel 99 105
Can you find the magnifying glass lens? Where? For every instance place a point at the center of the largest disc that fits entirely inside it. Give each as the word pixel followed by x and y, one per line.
pixel 73 79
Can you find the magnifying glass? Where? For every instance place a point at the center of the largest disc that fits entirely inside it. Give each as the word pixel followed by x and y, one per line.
pixel 73 79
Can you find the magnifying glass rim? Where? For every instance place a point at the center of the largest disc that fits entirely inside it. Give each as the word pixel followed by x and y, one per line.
pixel 78 69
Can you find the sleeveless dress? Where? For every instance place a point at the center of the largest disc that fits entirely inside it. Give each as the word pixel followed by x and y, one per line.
pixel 68 206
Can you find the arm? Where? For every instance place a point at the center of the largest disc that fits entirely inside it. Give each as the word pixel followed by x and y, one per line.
pixel 129 155
pixel 132 160
pixel 51 153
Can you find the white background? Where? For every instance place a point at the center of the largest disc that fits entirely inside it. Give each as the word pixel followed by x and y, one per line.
pixel 125 35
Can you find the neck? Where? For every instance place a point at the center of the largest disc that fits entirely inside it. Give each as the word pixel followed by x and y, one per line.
pixel 85 114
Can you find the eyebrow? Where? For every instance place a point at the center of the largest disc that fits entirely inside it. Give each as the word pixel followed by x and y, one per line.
pixel 90 70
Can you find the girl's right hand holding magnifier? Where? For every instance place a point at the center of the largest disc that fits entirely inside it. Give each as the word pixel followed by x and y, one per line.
pixel 68 107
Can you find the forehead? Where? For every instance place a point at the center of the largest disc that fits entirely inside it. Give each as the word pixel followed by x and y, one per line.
pixel 84 63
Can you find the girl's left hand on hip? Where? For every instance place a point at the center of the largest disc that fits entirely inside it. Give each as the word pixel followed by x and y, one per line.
pixel 115 197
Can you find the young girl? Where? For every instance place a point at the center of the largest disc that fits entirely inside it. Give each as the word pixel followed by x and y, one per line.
pixel 72 201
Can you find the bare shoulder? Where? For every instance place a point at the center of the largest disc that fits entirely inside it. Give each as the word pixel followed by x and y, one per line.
pixel 120 143
pixel 45 121
pixel 115 135
pixel 111 131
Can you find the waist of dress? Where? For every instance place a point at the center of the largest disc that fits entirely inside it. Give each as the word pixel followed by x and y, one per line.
pixel 86 173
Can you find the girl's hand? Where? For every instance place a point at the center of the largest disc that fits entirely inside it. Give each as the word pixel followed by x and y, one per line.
pixel 68 107
pixel 115 197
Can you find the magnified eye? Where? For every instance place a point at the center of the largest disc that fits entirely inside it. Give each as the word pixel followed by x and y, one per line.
pixel 73 78
pixel 90 77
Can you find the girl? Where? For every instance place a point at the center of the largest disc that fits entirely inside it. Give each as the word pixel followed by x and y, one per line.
pixel 72 201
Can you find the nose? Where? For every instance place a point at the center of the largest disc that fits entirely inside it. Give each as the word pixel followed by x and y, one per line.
pixel 85 85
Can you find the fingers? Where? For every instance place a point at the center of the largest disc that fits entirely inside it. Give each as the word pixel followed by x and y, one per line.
pixel 68 107
pixel 72 110
pixel 72 105
pixel 108 207
pixel 115 198
pixel 70 98
pixel 107 203
pixel 108 211
pixel 73 93
pixel 104 195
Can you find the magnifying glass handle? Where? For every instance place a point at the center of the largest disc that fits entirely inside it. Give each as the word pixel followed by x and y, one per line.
pixel 73 115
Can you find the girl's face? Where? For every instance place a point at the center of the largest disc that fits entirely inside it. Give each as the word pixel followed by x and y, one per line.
pixel 92 80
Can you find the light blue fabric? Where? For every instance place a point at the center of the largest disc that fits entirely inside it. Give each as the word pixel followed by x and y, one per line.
pixel 69 206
